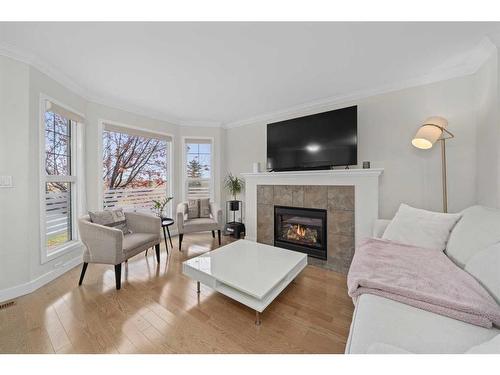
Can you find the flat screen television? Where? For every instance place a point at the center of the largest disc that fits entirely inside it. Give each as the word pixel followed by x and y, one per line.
pixel 318 141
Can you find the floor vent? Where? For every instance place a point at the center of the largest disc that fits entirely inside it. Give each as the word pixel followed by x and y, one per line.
pixel 7 304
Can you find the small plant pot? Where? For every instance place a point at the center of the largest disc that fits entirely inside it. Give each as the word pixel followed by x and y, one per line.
pixel 234 205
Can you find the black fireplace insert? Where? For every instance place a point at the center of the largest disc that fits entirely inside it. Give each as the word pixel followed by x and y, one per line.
pixel 301 229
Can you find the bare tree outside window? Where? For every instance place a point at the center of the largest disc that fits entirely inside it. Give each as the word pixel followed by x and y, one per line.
pixel 134 170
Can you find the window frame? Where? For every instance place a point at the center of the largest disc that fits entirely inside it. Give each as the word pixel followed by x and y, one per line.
pixel 101 125
pixel 193 139
pixel 76 135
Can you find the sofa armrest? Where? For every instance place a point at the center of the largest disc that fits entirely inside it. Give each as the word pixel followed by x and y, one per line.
pixel 216 212
pixel 379 227
pixel 103 244
pixel 181 211
pixel 143 223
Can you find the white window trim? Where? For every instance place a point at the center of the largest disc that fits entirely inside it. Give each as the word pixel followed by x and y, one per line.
pixel 170 162
pixel 76 194
pixel 184 169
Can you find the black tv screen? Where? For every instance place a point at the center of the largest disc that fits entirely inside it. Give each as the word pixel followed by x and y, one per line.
pixel 318 141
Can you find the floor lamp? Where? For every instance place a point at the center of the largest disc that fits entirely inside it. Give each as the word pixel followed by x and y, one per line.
pixel 432 130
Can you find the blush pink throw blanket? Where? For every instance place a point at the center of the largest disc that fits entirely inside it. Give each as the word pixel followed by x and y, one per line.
pixel 422 278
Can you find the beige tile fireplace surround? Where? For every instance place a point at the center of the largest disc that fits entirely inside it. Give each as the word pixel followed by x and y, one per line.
pixel 350 198
pixel 337 200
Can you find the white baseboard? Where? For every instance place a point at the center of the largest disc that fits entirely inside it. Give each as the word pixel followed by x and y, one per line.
pixel 31 286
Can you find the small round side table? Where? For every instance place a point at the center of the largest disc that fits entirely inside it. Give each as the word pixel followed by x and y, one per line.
pixel 165 223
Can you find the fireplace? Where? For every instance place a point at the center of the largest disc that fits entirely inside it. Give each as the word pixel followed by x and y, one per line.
pixel 301 229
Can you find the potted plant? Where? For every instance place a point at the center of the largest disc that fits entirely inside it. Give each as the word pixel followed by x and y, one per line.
pixel 234 185
pixel 159 206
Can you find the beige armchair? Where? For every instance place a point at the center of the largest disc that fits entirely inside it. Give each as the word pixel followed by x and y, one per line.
pixel 108 245
pixel 212 223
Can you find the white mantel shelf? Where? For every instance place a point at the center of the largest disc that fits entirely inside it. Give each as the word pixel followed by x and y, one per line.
pixel 329 172
pixel 366 193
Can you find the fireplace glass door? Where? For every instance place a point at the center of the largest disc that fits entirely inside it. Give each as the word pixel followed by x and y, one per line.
pixel 301 229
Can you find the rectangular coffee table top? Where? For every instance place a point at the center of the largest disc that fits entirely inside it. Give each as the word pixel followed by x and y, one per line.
pixel 250 267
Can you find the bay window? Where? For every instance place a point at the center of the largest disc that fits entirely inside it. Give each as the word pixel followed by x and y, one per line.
pixel 136 168
pixel 198 171
pixel 59 177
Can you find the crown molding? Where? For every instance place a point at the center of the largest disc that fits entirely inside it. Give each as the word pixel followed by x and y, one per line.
pixel 469 64
pixel 34 61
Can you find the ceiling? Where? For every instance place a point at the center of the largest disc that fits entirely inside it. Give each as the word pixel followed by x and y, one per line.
pixel 224 73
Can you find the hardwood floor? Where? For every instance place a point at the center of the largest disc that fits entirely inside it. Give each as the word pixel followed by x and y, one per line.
pixel 158 311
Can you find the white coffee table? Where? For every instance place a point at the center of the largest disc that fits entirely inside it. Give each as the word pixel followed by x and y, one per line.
pixel 251 273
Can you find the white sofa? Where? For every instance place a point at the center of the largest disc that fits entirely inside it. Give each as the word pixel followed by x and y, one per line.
pixel 380 325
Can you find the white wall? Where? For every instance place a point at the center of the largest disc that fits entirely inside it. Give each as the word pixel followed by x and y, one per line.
pixel 14 159
pixel 386 125
pixel 488 135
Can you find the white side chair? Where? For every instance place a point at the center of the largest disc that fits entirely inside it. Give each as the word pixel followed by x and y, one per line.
pixel 212 223
pixel 108 245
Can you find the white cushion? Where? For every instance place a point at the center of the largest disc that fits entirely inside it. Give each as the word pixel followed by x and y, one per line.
pixel 478 229
pixel 485 267
pixel 489 347
pixel 378 319
pixel 381 348
pixel 417 227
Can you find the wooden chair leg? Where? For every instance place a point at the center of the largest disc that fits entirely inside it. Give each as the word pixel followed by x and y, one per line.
pixel 213 234
pixel 181 235
pixel 82 275
pixel 218 235
pixel 118 276
pixel 157 250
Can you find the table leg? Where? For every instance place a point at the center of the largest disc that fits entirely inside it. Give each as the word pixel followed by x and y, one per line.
pixel 198 287
pixel 170 238
pixel 257 318
pixel 165 238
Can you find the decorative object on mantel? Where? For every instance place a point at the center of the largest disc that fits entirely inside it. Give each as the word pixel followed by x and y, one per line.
pixel 234 186
pixel 256 167
pixel 434 129
pixel 366 165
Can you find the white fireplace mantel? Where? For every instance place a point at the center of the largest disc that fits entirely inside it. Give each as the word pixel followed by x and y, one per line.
pixel 366 193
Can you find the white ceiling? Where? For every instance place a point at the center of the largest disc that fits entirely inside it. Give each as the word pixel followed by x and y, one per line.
pixel 228 72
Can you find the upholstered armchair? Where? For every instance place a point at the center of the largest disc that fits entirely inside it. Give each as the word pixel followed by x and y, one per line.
pixel 107 245
pixel 200 224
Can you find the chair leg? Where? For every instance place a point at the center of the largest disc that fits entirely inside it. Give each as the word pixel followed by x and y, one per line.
pixel 82 275
pixel 181 235
pixel 157 250
pixel 213 234
pixel 118 276
pixel 218 235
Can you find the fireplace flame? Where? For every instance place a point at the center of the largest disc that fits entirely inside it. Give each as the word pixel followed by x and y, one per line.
pixel 300 230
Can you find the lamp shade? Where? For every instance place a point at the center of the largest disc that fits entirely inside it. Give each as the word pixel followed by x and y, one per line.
pixel 429 132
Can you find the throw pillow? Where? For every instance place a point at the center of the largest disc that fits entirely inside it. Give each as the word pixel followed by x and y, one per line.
pixel 417 227
pixel 193 209
pixel 110 218
pixel 205 207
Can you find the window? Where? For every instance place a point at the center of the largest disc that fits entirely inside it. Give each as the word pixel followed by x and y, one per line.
pixel 135 169
pixel 59 178
pixel 198 168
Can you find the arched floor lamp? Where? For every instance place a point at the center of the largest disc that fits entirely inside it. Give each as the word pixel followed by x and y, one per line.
pixel 434 129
